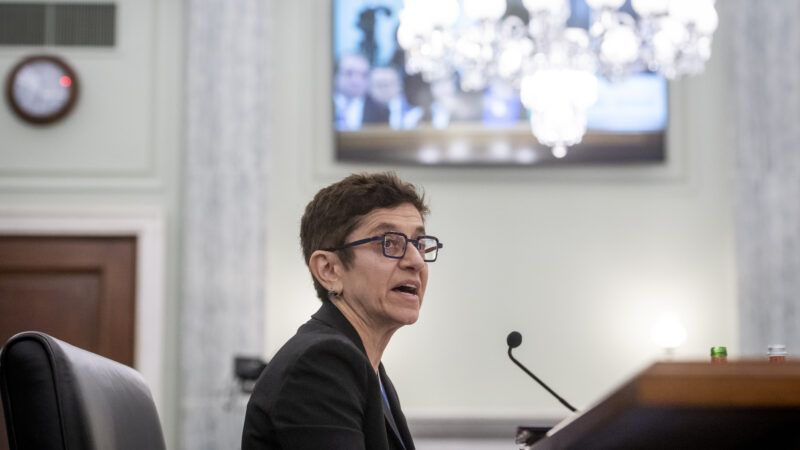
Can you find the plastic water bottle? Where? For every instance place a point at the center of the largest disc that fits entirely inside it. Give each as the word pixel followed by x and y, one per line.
pixel 776 353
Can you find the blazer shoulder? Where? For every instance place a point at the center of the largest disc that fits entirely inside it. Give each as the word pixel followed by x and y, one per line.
pixel 321 349
pixel 326 370
pixel 332 350
pixel 314 339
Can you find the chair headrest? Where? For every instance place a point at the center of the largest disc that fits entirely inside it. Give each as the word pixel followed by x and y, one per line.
pixel 58 396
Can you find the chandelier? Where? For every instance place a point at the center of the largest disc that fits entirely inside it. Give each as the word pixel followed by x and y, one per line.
pixel 554 67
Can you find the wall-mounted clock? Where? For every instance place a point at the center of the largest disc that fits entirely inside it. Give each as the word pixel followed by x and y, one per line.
pixel 42 89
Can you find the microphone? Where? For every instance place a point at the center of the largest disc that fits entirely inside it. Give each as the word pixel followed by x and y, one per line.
pixel 514 340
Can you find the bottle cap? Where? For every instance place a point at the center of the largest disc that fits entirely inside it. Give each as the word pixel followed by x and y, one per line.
pixel 719 352
pixel 776 350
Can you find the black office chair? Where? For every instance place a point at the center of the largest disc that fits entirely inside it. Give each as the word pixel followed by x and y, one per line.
pixel 60 397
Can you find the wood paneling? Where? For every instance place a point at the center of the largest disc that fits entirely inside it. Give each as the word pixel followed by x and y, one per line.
pixel 692 405
pixel 42 302
pixel 78 289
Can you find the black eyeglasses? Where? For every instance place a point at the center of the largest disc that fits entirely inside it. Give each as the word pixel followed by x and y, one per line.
pixel 393 245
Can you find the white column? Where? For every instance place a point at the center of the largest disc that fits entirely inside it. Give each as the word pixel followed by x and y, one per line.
pixel 765 71
pixel 224 213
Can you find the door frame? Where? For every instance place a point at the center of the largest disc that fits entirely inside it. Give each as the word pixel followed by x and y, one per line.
pixel 147 226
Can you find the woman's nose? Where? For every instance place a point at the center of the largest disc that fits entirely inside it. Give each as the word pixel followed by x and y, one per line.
pixel 413 256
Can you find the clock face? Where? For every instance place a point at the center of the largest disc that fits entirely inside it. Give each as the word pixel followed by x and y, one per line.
pixel 42 89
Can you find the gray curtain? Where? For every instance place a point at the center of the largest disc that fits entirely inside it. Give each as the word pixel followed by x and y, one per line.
pixel 224 213
pixel 765 69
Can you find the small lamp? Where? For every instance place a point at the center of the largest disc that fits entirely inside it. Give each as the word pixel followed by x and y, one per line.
pixel 669 334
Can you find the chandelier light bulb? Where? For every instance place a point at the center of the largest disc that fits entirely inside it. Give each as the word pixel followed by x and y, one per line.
pixel 559 151
pixel 414 14
pixel 558 127
pixel 530 88
pixel 704 47
pixel 674 31
pixel 577 37
pixel 442 13
pixel 620 46
pixel 650 7
pixel 545 6
pixel 510 61
pixel 406 35
pixel 413 26
pixel 605 4
pixel 684 10
pixel 700 14
pixel 558 99
pixel 484 9
pixel 468 49
pixel 706 20
pixel 667 42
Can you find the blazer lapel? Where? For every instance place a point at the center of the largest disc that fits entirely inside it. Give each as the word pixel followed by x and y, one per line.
pixel 398 425
pixel 329 314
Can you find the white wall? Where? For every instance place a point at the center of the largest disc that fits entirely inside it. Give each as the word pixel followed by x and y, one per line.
pixel 581 261
pixel 117 154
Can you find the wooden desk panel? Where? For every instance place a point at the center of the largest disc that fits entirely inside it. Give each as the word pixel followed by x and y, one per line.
pixel 692 405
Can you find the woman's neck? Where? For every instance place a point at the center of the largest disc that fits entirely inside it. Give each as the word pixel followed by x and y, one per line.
pixel 374 337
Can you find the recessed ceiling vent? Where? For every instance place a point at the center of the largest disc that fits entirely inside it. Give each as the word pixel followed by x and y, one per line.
pixel 58 24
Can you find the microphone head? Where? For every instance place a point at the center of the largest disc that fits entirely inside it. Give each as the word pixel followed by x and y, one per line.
pixel 514 339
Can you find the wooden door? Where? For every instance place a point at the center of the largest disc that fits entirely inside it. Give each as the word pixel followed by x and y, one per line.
pixel 78 289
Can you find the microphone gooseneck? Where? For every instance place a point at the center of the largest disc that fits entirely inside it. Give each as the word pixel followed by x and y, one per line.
pixel 514 340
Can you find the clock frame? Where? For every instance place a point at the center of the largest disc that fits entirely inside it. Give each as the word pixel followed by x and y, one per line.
pixel 67 81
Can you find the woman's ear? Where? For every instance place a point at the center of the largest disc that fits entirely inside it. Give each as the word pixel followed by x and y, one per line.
pixel 325 267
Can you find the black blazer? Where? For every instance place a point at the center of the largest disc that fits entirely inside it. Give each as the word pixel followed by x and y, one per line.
pixel 321 392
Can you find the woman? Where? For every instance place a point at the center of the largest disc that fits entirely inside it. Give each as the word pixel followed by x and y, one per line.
pixel 365 245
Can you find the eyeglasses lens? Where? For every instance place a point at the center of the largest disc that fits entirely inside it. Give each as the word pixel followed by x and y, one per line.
pixel 428 248
pixel 394 245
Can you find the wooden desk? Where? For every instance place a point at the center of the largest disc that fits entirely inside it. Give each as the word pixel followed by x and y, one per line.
pixel 692 405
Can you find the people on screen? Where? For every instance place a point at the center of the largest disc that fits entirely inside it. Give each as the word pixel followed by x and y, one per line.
pixel 449 104
pixel 353 106
pixel 367 95
pixel 386 87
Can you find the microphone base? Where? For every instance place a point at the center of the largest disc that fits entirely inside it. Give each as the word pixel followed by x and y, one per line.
pixel 527 436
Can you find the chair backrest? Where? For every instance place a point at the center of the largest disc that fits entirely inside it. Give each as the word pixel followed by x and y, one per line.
pixel 60 397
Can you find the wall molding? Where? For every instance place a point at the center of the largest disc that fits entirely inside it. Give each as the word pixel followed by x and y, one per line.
pixel 473 428
pixel 147 226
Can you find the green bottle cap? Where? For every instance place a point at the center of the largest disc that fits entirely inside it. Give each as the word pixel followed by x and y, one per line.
pixel 717 352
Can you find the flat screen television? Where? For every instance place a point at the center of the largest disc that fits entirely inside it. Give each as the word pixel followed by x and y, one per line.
pixel 398 118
